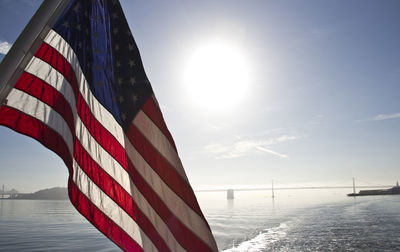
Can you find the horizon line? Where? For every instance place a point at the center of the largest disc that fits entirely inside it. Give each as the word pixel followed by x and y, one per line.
pixel 288 188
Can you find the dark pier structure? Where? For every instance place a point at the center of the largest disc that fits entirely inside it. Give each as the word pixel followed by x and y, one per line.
pixel 390 191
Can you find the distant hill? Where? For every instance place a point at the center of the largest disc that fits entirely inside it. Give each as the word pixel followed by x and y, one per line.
pixel 56 193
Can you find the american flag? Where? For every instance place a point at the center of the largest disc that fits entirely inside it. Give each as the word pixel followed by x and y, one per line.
pixel 84 95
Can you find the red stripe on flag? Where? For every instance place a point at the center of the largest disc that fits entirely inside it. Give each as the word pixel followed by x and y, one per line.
pixel 183 235
pixel 151 109
pixel 41 90
pixel 103 180
pixel 167 173
pixel 118 194
pixel 29 126
pixel 58 62
pixel 102 135
pixel 100 220
pixel 151 231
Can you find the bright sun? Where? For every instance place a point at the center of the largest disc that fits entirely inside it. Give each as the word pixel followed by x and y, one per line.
pixel 216 76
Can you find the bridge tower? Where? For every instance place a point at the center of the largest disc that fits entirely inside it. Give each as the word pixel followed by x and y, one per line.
pixel 229 194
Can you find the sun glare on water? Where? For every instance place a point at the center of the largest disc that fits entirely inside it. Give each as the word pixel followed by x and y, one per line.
pixel 216 76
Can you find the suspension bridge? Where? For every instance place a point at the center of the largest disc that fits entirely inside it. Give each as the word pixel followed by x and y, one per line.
pixel 279 185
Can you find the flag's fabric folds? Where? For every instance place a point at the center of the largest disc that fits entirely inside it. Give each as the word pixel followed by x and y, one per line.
pixel 85 95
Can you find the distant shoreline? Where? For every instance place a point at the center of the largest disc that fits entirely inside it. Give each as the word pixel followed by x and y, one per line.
pixel 55 193
pixel 33 199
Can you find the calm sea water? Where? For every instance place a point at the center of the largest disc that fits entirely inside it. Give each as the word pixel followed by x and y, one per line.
pixel 295 220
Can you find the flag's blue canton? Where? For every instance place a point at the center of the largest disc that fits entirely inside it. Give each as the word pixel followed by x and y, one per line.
pixel 100 36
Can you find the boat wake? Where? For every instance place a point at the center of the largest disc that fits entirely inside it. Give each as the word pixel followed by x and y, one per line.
pixel 263 240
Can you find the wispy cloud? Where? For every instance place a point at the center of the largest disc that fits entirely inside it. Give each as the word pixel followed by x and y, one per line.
pixel 4 47
pixel 381 117
pixel 272 152
pixel 244 147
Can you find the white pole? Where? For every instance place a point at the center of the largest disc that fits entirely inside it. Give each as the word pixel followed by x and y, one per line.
pixel 354 186
pixel 27 43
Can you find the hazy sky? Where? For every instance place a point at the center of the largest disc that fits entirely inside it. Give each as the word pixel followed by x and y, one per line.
pixel 315 97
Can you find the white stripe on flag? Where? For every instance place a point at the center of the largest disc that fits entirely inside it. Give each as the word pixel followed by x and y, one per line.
pixel 34 107
pixel 157 138
pixel 51 76
pixel 106 205
pixel 101 156
pixel 155 220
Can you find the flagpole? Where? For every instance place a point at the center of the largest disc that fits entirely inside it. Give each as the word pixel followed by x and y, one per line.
pixel 27 43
